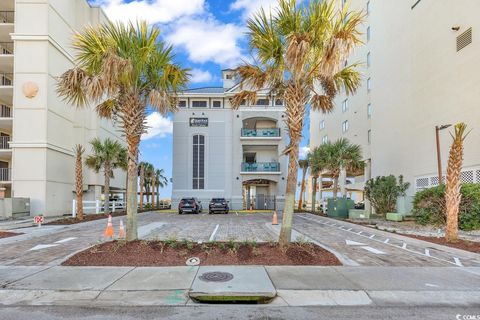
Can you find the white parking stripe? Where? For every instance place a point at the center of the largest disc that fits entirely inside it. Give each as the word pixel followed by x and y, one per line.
pixel 212 236
pixel 427 252
pixel 371 237
pixel 404 246
pixel 65 240
pixel 458 262
pixel 386 241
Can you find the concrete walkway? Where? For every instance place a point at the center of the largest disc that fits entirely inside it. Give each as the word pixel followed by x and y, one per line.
pixel 294 285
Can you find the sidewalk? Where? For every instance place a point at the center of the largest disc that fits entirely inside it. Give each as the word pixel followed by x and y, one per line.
pixel 295 286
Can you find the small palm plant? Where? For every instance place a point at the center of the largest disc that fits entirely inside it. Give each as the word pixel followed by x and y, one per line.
pixel 452 191
pixel 303 164
pixel 79 150
pixel 122 68
pixel 160 182
pixel 299 53
pixel 107 156
pixel 316 159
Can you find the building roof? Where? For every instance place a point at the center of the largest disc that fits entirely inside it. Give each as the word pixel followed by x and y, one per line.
pixel 214 90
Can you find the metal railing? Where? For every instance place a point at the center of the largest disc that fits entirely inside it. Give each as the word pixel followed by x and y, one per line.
pixel 98 206
pixel 5 142
pixel 5 111
pixel 6 79
pixel 7 16
pixel 273 132
pixel 5 174
pixel 6 47
pixel 261 167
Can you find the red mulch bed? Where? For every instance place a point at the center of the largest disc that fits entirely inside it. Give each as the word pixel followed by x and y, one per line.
pixel 168 253
pixel 6 234
pixel 90 217
pixel 466 245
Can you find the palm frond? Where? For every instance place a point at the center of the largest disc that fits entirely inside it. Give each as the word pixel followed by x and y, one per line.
pixel 243 97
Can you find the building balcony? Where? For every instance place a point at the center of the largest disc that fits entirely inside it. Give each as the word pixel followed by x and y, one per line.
pixel 5 142
pixel 6 79
pixel 5 175
pixel 261 167
pixel 260 133
pixel 7 17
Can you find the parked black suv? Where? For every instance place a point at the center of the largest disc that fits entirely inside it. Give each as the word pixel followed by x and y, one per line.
pixel 191 205
pixel 218 205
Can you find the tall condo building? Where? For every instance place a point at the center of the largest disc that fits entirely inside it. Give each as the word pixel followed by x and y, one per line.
pixel 221 152
pixel 419 71
pixel 38 130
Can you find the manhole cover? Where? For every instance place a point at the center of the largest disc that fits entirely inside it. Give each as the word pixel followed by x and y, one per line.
pixel 216 276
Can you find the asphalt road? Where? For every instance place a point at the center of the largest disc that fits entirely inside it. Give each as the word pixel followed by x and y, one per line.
pixel 225 312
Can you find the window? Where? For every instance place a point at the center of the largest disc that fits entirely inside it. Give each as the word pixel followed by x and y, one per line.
pixel 368 59
pixel 322 124
pixel 324 139
pixel 279 102
pixel 344 105
pixel 345 126
pixel 182 104
pixel 369 84
pixel 198 162
pixel 262 102
pixel 217 104
pixel 369 136
pixel 345 63
pixel 368 7
pixel 368 34
pixel 229 76
pixel 199 104
pixel 369 110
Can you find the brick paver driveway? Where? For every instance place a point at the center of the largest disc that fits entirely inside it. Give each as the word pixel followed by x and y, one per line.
pixel 50 245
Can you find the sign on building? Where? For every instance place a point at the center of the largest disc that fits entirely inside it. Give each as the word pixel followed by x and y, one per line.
pixel 198 122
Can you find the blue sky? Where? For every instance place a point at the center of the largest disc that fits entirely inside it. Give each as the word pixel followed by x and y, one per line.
pixel 207 35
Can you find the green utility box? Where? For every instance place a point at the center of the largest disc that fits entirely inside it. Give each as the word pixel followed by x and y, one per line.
pixel 339 208
pixel 393 216
pixel 355 214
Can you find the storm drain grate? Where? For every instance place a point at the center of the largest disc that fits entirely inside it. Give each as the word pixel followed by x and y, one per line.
pixel 216 276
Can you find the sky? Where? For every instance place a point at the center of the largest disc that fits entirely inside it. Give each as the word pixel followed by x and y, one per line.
pixel 207 36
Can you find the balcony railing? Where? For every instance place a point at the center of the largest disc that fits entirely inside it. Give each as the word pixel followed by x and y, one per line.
pixel 7 16
pixel 274 132
pixel 5 174
pixel 6 79
pixel 261 167
pixel 6 47
pixel 5 111
pixel 5 142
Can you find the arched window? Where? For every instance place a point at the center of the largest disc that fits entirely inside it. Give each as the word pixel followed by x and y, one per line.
pixel 198 161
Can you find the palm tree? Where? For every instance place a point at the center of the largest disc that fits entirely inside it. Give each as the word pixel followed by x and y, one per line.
pixel 452 191
pixel 299 54
pixel 303 164
pixel 316 159
pixel 141 183
pixel 160 182
pixel 79 150
pixel 122 68
pixel 107 156
pixel 341 155
pixel 149 172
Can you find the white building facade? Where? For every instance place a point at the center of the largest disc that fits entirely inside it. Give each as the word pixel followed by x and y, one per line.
pixel 222 152
pixel 419 71
pixel 38 130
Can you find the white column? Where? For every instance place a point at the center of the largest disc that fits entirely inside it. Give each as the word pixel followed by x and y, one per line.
pixel 343 181
pixel 367 175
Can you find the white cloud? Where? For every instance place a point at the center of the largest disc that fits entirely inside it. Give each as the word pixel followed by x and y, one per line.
pixel 206 39
pixel 249 7
pixel 157 125
pixel 199 76
pixel 153 11
pixel 304 152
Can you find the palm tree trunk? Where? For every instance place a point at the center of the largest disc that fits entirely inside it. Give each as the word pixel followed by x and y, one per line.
pixel 153 195
pixel 343 182
pixel 79 182
pixel 142 182
pixel 302 189
pixel 314 193
pixel 132 197
pixel 335 187
pixel 106 191
pixel 286 230
pixel 158 197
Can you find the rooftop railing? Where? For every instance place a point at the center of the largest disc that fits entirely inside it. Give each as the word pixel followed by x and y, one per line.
pixel 7 16
pixel 273 132
pixel 261 167
pixel 6 47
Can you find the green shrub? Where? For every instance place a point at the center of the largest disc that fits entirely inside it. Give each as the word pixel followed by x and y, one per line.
pixel 383 193
pixel 429 206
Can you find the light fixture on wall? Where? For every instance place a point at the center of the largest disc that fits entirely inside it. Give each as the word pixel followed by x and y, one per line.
pixel 456 28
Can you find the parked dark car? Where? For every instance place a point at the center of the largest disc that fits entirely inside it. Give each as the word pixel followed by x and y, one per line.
pixel 218 205
pixel 360 205
pixel 189 205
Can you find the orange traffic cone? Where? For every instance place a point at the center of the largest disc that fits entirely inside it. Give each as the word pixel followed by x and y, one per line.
pixel 274 218
pixel 121 231
pixel 109 230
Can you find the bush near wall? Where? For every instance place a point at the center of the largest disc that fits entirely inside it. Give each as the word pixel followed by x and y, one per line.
pixel 429 206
